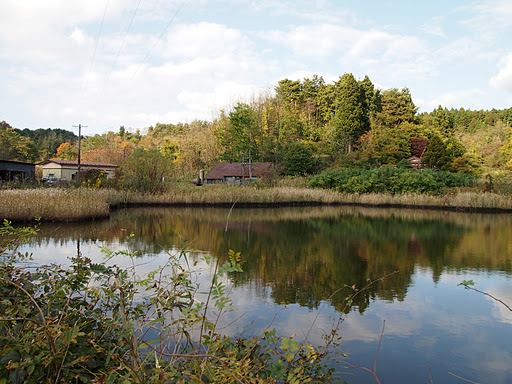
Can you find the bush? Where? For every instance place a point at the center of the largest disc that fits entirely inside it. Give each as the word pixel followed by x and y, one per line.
pixel 145 171
pixel 298 159
pixel 103 324
pixel 390 180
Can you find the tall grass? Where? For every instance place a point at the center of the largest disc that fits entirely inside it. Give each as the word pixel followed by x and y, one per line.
pixel 51 204
pixel 84 204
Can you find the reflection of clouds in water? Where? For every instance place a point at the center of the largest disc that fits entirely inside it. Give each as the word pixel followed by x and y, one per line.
pixel 502 292
pixel 422 313
pixel 479 353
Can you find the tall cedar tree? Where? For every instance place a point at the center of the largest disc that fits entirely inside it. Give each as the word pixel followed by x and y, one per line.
pixel 351 113
pixel 397 108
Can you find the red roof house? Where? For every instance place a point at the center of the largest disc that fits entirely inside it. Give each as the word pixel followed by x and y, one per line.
pixel 237 173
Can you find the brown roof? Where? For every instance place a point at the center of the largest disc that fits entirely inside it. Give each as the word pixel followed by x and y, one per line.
pixel 83 163
pixel 224 169
pixel 418 146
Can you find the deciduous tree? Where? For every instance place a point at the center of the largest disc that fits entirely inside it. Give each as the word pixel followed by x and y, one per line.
pixel 14 146
pixel 66 151
pixel 145 171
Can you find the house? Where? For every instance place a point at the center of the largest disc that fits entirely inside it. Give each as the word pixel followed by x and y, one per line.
pixel 415 162
pixel 237 173
pixel 16 171
pixel 418 147
pixel 67 170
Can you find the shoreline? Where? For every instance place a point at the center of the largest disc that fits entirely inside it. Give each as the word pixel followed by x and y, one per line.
pixel 80 205
pixel 314 204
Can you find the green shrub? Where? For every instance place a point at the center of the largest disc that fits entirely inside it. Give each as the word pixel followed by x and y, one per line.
pixel 394 180
pixel 298 159
pixel 145 171
pixel 92 323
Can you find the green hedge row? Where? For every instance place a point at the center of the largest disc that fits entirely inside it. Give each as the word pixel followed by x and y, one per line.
pixel 394 180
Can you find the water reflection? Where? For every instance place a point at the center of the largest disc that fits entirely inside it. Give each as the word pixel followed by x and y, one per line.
pixel 299 256
pixel 305 254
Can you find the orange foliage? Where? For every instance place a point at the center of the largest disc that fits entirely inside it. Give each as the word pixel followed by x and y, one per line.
pixel 62 149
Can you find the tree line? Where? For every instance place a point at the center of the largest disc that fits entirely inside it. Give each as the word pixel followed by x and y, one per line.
pixel 305 126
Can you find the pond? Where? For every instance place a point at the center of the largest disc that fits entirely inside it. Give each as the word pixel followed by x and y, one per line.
pixel 415 326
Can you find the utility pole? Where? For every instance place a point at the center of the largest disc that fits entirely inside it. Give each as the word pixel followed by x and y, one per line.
pixel 250 166
pixel 79 151
pixel 243 168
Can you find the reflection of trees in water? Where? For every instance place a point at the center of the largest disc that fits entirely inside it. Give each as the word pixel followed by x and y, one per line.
pixel 305 254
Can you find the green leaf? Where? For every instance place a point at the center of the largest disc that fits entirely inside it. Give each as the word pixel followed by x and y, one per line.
pixel 289 356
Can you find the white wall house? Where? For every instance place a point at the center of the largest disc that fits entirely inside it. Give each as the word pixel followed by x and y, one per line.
pixel 65 169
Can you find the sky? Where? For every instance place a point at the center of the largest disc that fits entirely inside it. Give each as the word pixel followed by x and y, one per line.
pixel 135 63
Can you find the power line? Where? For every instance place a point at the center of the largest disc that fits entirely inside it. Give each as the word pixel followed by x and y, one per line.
pixel 154 45
pixel 119 51
pixel 95 49
pixel 159 38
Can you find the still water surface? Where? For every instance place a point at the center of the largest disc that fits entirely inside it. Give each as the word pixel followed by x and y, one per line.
pixel 295 258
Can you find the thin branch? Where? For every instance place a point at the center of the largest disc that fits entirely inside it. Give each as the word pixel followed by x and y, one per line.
pixel 350 298
pixel 461 378
pixel 21 319
pixel 229 214
pixel 367 370
pixel 31 298
pixel 378 347
pixel 194 356
pixel 488 294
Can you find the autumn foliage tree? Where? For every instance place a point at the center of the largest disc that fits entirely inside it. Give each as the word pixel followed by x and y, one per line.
pixel 13 146
pixel 145 170
pixel 106 148
pixel 66 151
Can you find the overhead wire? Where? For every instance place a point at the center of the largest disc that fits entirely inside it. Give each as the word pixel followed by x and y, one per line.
pixel 122 44
pixel 118 95
pixel 118 53
pixel 158 40
pixel 95 50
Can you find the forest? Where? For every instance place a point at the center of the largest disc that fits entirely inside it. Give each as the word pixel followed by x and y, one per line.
pixel 305 127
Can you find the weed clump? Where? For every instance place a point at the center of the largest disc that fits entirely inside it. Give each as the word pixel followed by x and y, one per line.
pixel 100 323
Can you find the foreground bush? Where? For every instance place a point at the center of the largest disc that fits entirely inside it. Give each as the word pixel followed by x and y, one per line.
pixel 103 324
pixel 393 180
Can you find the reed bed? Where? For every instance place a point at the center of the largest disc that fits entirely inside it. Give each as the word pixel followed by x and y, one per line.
pixel 85 204
pixel 223 194
pixel 51 204
pixel 469 201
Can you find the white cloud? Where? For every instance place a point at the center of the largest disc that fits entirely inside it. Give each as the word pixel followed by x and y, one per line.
pixel 454 99
pixel 78 36
pixel 350 45
pixel 205 40
pixel 434 27
pixel 503 80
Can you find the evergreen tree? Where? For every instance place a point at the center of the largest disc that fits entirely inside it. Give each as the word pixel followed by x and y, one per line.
pixel 397 108
pixel 351 113
pixel 373 98
pixel 298 159
pixel 443 120
pixel 437 155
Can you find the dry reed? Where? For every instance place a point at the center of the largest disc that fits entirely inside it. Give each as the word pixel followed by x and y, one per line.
pixel 51 204
pixel 83 204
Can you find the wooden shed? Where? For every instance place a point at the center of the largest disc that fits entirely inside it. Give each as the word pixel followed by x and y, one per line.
pixel 237 173
pixel 16 171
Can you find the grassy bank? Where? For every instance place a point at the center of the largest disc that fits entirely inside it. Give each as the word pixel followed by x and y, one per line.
pixel 85 204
